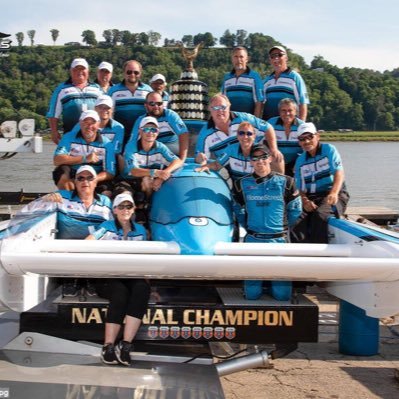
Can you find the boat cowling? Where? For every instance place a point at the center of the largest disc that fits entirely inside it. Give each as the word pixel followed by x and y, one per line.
pixel 193 209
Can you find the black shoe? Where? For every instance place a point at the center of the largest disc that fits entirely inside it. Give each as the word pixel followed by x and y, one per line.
pixel 70 289
pixel 108 355
pixel 90 289
pixel 122 352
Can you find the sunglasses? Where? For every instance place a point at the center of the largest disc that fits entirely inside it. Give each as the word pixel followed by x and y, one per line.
pixel 154 103
pixel 260 157
pixel 219 107
pixel 150 129
pixel 277 55
pixel 245 133
pixel 83 178
pixel 306 138
pixel 122 207
pixel 129 72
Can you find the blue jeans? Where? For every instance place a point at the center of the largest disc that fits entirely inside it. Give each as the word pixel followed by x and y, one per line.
pixel 280 290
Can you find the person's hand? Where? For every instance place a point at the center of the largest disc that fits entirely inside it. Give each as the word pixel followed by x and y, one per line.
pixel 203 169
pixel 201 158
pixel 156 184
pixel 332 199
pixel 92 158
pixel 308 205
pixel 277 155
pixel 52 197
pixel 55 136
pixel 162 174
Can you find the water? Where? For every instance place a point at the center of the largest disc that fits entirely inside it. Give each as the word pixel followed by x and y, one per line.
pixel 372 172
pixel 371 169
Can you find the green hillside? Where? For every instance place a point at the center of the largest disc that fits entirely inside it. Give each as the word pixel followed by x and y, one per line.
pixel 348 98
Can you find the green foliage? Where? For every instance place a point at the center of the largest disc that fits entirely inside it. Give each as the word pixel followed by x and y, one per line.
pixel 54 34
pixel 31 34
pixel 89 37
pixel 20 38
pixel 349 98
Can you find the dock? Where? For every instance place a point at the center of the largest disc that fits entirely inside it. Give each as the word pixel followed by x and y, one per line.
pixel 379 215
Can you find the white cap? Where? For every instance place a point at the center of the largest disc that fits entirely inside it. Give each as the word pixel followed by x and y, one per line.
pixel 307 127
pixel 86 168
pixel 281 48
pixel 89 114
pixel 106 65
pixel 105 100
pixel 158 76
pixel 122 198
pixel 149 119
pixel 79 62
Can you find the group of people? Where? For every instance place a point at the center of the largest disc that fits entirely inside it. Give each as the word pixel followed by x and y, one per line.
pixel 121 142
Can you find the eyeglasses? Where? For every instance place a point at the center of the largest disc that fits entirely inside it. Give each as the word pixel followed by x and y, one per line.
pixel 308 137
pixel 154 103
pixel 245 133
pixel 129 72
pixel 277 55
pixel 219 107
pixel 150 129
pixel 122 207
pixel 260 157
pixel 85 178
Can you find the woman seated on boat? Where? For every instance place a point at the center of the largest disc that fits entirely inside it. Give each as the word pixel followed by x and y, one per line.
pixel 128 298
pixel 148 162
pixel 319 175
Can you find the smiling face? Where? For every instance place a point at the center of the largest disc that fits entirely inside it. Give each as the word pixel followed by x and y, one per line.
pixel 104 112
pixel 278 60
pixel 89 128
pixel 260 161
pixel 154 104
pixel 132 72
pixel 220 109
pixel 287 112
pixel 246 136
pixel 124 211
pixel 158 85
pixel 309 142
pixel 149 133
pixel 104 76
pixel 85 183
pixel 79 75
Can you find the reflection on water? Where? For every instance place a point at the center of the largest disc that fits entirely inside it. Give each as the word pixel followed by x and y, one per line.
pixel 371 169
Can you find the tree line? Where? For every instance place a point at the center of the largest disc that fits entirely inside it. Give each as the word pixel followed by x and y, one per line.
pixel 354 98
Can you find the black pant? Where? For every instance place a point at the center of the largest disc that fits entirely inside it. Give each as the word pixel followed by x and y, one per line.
pixel 312 227
pixel 126 297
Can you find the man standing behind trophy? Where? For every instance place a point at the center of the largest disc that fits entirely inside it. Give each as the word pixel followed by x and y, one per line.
pixel 242 85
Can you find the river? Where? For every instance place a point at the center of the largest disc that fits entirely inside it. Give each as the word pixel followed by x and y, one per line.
pixel 371 169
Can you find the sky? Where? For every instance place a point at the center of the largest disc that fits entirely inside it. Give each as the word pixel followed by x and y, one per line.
pixel 347 33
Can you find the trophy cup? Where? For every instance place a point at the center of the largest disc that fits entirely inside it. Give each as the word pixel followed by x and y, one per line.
pixel 189 96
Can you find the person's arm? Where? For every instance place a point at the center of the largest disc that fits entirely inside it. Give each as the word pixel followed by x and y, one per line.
pixel 104 176
pixel 216 166
pixel 258 111
pixel 64 159
pixel 270 137
pixel 307 204
pixel 164 174
pixel 339 177
pixel 90 237
pixel 55 134
pixel 183 145
pixel 303 111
